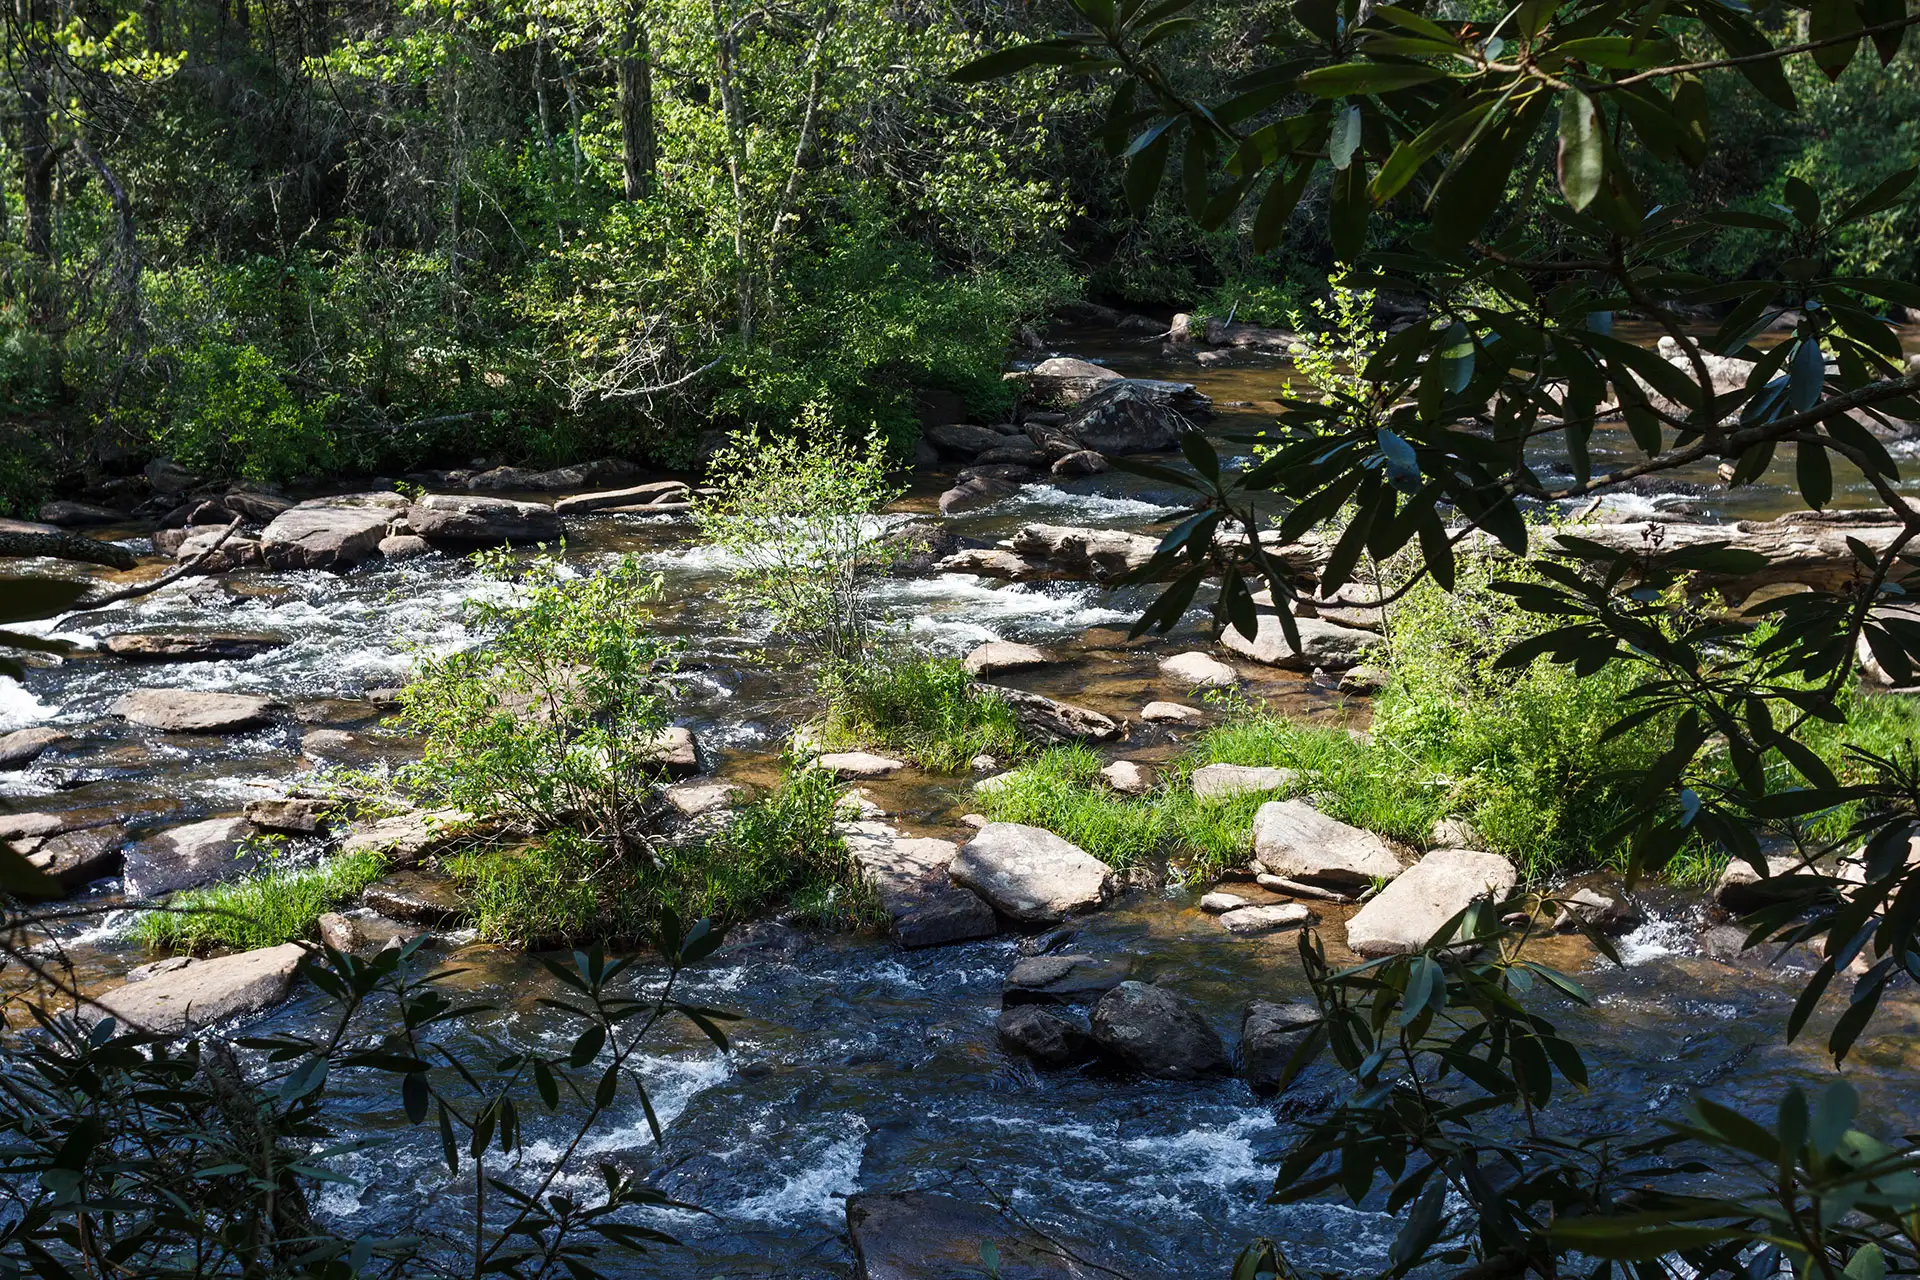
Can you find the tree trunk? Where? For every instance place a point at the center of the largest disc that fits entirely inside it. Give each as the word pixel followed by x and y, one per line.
pixel 36 129
pixel 636 111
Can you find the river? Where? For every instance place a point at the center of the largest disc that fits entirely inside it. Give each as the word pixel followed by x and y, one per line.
pixel 858 1066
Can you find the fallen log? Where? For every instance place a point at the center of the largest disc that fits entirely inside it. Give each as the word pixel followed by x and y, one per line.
pixel 25 538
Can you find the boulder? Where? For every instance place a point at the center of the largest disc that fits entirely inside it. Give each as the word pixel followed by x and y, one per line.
pixel 199 993
pixel 363 930
pixel 1134 415
pixel 1217 902
pixel 1741 889
pixel 640 495
pixel 961 439
pixel 1066 380
pixel 191 646
pixel 293 815
pixel 1408 912
pixel 996 656
pixel 1056 721
pixel 909 877
pixel 859 764
pixel 1157 1033
pixel 415 898
pixel 256 503
pixel 78 858
pixel 1062 979
pixel 329 533
pixel 79 515
pixel 1031 876
pixel 1129 778
pixel 1081 462
pixel 214 551
pixel 182 857
pixel 1591 909
pixel 406 837
pixel 1171 713
pixel 1019 452
pixel 697 797
pixel 23 746
pixel 924 1235
pixel 975 493
pixel 1363 679
pixel 675 751
pixel 404 546
pixel 1266 919
pixel 472 521
pixel 1293 839
pixel 167 477
pixel 1224 781
pixel 1036 1032
pixel 193 711
pixel 1196 670
pixel 1322 644
pixel 1271 1033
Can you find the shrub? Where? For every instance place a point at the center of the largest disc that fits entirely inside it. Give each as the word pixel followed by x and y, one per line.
pixel 797 514
pixel 928 708
pixel 554 722
pixel 265 910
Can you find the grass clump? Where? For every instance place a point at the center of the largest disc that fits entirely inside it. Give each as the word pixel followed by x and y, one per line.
pixel 780 849
pixel 280 905
pixel 927 708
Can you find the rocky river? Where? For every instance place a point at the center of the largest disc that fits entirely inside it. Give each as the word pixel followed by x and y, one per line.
pixel 860 1067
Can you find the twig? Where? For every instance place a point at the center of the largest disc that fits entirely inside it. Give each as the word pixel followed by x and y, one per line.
pixel 174 574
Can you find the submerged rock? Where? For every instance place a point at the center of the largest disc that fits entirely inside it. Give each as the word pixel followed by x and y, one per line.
pixel 1322 644
pixel 996 656
pixel 183 857
pixel 192 646
pixel 1062 979
pixel 1036 1032
pixel 1031 876
pixel 1408 912
pixel 1294 840
pixel 1157 1033
pixel 1224 781
pixel 475 521
pixel 417 898
pixel 193 711
pixel 200 993
pixel 1270 1034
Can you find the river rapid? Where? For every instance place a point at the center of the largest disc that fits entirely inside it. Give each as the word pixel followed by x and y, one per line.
pixel 858 1066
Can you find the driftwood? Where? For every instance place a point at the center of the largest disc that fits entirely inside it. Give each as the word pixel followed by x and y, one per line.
pixel 1054 552
pixel 179 571
pixel 1813 552
pixel 25 538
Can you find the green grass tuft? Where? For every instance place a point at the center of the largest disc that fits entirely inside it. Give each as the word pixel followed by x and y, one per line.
pixel 927 708
pixel 265 910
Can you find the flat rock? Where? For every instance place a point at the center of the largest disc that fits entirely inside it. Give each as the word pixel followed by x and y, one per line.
pixel 1408 912
pixel 1322 644
pixel 193 711
pixel 1294 840
pixel 476 521
pixel 1171 713
pixel 1589 908
pixel 1196 670
pixel 996 656
pixel 1036 1032
pixel 1129 778
pixel 1224 781
pixel 416 898
pixel 676 751
pixel 640 495
pixel 1056 721
pixel 191 646
pixel 909 877
pixel 961 439
pixel 78 858
pixel 859 764
pixel 1031 876
pixel 924 1235
pixel 201 993
pixel 1157 1033
pixel 406 837
pixel 1218 902
pixel 329 533
pixel 1266 919
pixel 974 493
pixel 1062 979
pixel 1271 1033
pixel 1018 452
pixel 23 746
pixel 182 857
pixel 293 815
pixel 697 797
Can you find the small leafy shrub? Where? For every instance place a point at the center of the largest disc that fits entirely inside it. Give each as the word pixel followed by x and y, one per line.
pixel 278 905
pixel 798 515
pixel 928 708
pixel 553 723
pixel 226 411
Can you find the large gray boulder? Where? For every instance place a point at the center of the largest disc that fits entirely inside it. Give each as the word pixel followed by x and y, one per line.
pixel 1322 644
pixel 199 993
pixel 961 439
pixel 416 898
pixel 1741 889
pixel 330 533
pixel 1056 721
pixel 1135 416
pixel 1270 1034
pixel 1408 912
pixel 908 876
pixel 1067 380
pixel 1293 840
pixel 1197 670
pixel 182 857
pixel 194 711
pixel 1157 1033
pixel 475 521
pixel 1029 875
pixel 77 858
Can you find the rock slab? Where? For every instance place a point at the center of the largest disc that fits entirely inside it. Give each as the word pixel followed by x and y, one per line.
pixel 1408 912
pixel 1294 840
pixel 996 656
pixel 193 711
pixel 1029 875
pixel 200 993
pixel 1224 781
pixel 183 857
pixel 909 876
pixel 1322 644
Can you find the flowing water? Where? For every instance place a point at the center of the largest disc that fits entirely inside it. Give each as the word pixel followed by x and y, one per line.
pixel 858 1066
